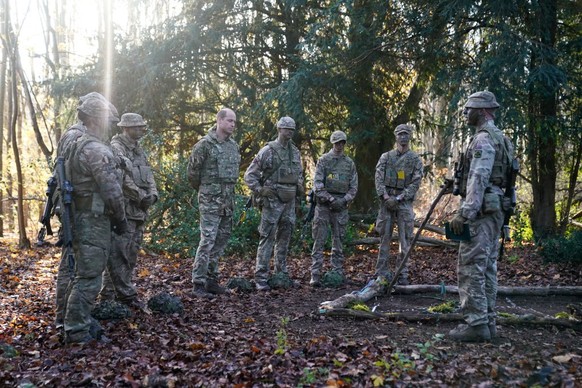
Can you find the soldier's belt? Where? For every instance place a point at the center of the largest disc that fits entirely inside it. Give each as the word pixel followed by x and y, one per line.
pixel 392 191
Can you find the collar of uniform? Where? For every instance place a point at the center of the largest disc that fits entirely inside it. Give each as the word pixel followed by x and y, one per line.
pixel 127 141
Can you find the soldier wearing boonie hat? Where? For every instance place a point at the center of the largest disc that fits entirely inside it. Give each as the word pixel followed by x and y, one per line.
pixel 335 184
pixel 275 177
pixel 140 193
pixel 485 165
pixel 397 178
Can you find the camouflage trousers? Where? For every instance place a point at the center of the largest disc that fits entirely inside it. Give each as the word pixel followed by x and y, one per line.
pixel 275 230
pixel 64 276
pixel 91 245
pixel 118 277
pixel 477 269
pixel 214 234
pixel 403 216
pixel 324 218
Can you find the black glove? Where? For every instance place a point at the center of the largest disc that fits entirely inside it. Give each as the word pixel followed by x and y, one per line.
pixel 391 203
pixel 338 204
pixel 119 227
pixel 267 192
pixel 148 201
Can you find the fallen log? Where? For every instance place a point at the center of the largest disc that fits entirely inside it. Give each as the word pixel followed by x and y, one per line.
pixel 423 241
pixel 526 320
pixel 510 291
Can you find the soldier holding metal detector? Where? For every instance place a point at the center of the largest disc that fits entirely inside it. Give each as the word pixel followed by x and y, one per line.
pixel 335 185
pixel 484 172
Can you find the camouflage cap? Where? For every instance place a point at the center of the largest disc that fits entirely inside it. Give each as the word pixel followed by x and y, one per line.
pixel 482 100
pixel 131 120
pixel 403 128
pixel 97 107
pixel 286 122
pixel 112 107
pixel 338 136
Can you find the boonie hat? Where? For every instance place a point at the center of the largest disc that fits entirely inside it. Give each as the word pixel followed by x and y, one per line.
pixel 482 100
pixel 131 120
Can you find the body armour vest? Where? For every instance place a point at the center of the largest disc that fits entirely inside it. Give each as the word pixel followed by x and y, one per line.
pixel 338 174
pixel 399 169
pixel 141 173
pixel 501 164
pixel 222 163
pixel 285 168
pixel 83 185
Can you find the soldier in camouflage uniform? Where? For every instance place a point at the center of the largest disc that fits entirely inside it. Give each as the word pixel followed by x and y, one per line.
pixel 275 177
pixel 335 185
pixel 139 189
pixel 398 176
pixel 98 208
pixel 485 171
pixel 213 170
pixel 65 273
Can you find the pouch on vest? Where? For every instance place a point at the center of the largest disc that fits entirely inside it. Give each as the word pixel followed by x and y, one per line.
pixel 334 184
pixel 491 203
pixel 287 176
pixel 287 193
pixel 97 204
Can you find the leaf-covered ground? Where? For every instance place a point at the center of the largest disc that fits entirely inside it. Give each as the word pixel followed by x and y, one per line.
pixel 279 338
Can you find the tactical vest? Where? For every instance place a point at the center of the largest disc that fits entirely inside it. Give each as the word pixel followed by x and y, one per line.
pixel 141 173
pixel 83 185
pixel 501 164
pixel 222 163
pixel 284 171
pixel 399 170
pixel 338 175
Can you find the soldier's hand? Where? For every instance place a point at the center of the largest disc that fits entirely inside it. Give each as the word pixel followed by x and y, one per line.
pixel 119 227
pixel 147 201
pixel 338 204
pixel 267 192
pixel 456 224
pixel 392 203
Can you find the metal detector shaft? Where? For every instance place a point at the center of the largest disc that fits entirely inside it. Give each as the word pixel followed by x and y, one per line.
pixel 445 189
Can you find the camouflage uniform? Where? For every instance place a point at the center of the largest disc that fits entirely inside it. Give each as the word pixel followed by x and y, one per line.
pixel 278 168
pixel 397 175
pixel 335 179
pixel 139 189
pixel 97 196
pixel 487 159
pixel 65 273
pixel 213 170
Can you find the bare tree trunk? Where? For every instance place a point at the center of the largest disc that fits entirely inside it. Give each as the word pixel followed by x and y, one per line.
pixel 4 7
pixel 565 219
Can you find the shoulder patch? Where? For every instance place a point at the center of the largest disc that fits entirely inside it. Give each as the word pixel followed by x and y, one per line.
pixel 477 154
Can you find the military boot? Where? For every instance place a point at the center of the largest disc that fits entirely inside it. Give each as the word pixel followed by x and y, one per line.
pixel 213 287
pixel 199 291
pixel 492 328
pixel 315 281
pixel 403 280
pixel 466 333
pixel 262 286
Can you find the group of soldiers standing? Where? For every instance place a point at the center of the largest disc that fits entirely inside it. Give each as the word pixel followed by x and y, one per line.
pixel 114 187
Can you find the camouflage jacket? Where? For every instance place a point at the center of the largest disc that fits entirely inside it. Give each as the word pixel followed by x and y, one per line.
pixel 92 170
pixel 335 177
pixel 213 170
pixel 398 174
pixel 138 178
pixel 480 157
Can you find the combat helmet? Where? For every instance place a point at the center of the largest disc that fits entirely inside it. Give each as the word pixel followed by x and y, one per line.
pixel 482 100
pixel 99 96
pixel 97 107
pixel 338 136
pixel 286 122
pixel 131 120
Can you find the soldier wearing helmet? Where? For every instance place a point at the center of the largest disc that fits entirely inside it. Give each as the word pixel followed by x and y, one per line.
pixel 485 165
pixel 139 189
pixel 275 177
pixel 98 208
pixel 398 176
pixel 67 139
pixel 335 185
pixel 213 170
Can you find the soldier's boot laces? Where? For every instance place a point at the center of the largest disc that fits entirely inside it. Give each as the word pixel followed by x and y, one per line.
pixel 213 287
pixel 466 333
pixel 199 291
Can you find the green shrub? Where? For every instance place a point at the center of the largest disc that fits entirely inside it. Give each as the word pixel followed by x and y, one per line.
pixel 563 248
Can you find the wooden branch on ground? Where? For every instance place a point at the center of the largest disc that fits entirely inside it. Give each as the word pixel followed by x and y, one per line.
pixel 526 320
pixel 512 291
pixel 423 241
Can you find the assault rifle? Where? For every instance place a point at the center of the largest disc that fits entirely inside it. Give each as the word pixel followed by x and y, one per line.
pixel 309 217
pixel 458 174
pixel 509 193
pixel 66 193
pixel 243 214
pixel 45 218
